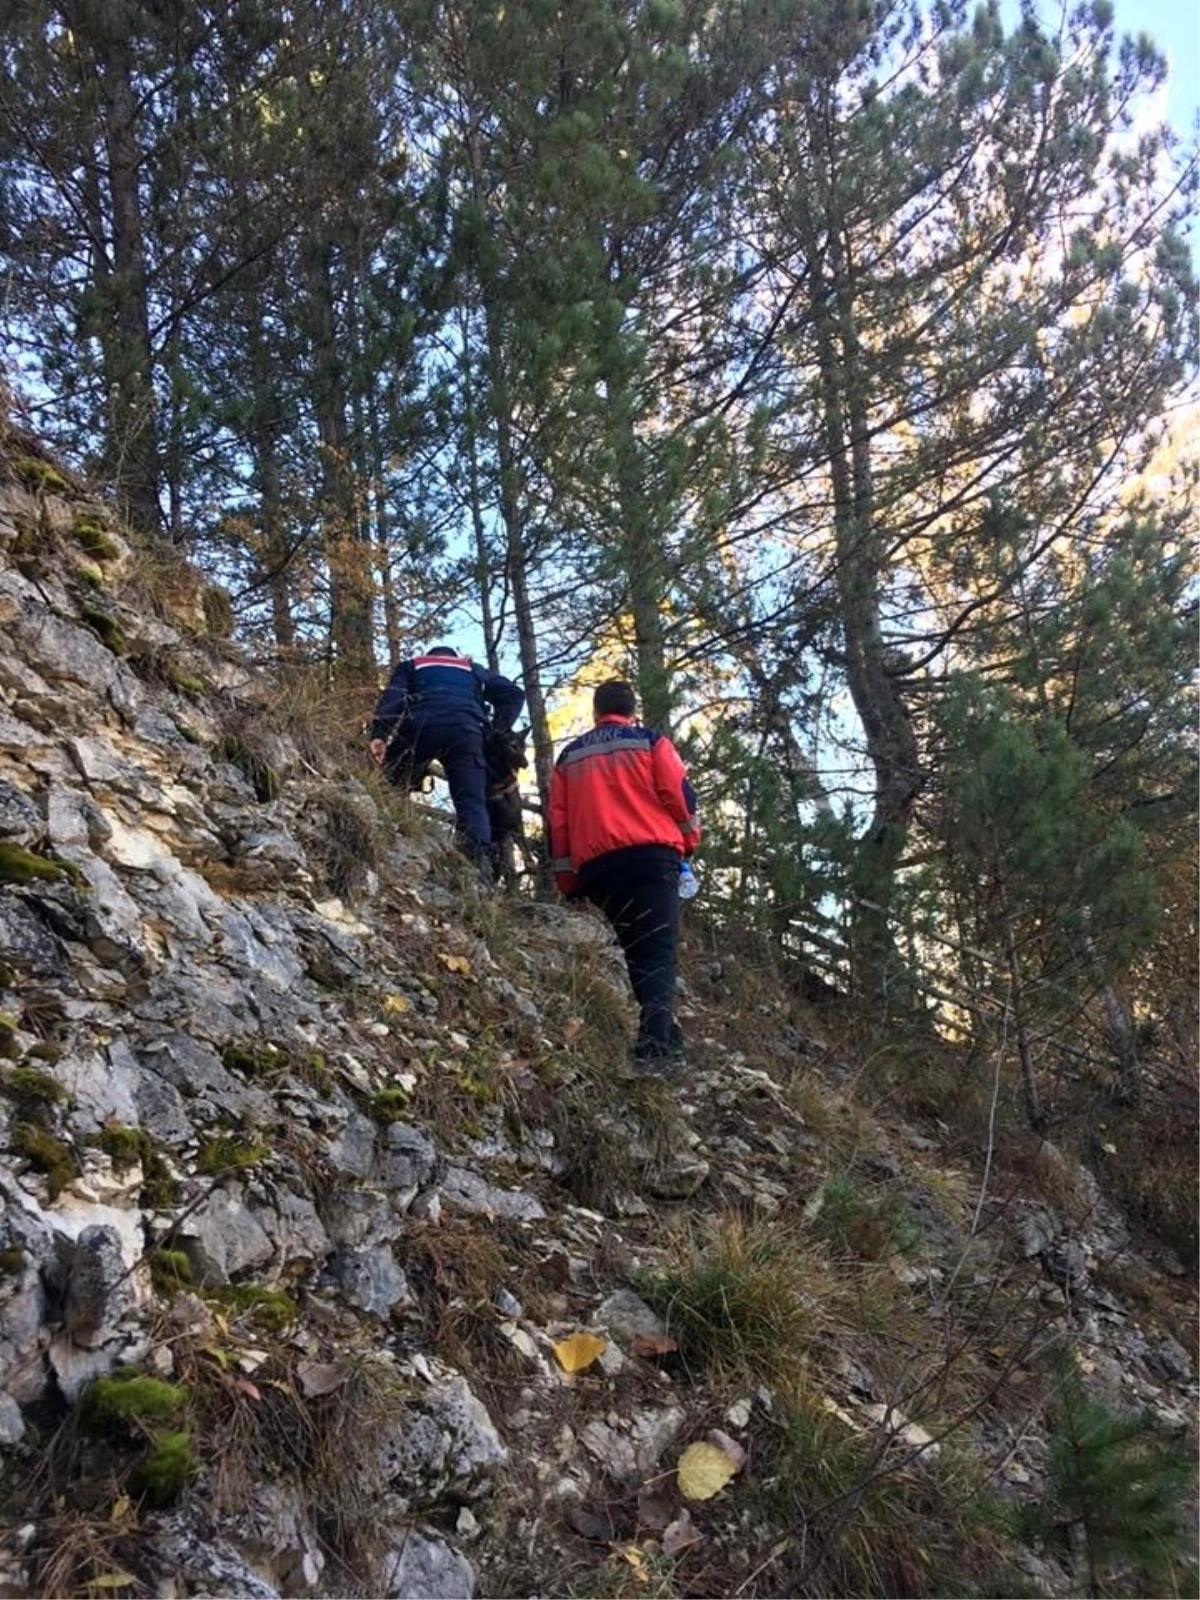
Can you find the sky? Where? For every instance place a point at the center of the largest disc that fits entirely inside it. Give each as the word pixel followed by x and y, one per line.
pixel 1175 26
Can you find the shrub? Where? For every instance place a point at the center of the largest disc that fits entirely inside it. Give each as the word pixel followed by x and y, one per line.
pixel 742 1305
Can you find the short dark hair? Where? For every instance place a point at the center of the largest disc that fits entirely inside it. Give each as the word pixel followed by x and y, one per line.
pixel 614 699
pixel 443 650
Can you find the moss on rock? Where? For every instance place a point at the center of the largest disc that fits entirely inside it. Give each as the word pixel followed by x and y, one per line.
pixel 94 538
pixel 270 1309
pixel 47 1153
pixel 39 475
pixel 127 1398
pixel 109 632
pixel 226 1154
pixel 170 1271
pixel 20 866
pixel 163 1474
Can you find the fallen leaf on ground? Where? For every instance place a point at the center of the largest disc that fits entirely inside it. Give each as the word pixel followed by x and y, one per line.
pixel 319 1377
pixel 704 1470
pixel 730 1446
pixel 455 963
pixel 579 1350
pixel 681 1535
pixel 397 1004
pixel 572 1029
pixel 591 1523
pixel 654 1509
pixel 653 1344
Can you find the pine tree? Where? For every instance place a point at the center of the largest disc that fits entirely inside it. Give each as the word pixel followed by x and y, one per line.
pixel 1123 1485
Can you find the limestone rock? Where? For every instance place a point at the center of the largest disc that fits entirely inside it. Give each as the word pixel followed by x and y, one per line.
pixel 224 1237
pixel 407 1163
pixel 444 1442
pixel 464 1190
pixel 98 1290
pixel 20 819
pixel 371 1279
pixel 421 1567
pixel 12 1423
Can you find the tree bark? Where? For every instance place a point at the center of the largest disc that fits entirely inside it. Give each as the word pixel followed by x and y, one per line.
pixel 131 445
pixel 351 608
pixel 890 741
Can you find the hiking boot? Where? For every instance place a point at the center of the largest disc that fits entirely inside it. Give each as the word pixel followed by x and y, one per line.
pixel 654 1060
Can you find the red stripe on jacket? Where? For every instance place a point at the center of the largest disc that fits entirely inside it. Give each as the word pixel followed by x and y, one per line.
pixel 618 786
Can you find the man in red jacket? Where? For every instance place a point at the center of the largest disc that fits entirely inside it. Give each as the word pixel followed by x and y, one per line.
pixel 622 816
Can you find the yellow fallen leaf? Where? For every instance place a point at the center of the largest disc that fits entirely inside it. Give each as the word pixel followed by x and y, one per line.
pixel 455 963
pixel 397 1004
pixel 110 1580
pixel 122 1506
pixel 703 1471
pixel 579 1351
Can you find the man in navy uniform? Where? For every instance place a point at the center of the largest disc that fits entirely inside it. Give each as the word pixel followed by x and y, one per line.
pixel 435 708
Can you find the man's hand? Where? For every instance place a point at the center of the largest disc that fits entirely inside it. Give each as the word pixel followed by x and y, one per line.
pixel 378 751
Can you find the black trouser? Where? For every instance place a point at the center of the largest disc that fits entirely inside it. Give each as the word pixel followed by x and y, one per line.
pixel 638 891
pixel 458 745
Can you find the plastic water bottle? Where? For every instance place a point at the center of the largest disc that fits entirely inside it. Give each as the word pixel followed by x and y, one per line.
pixel 689 883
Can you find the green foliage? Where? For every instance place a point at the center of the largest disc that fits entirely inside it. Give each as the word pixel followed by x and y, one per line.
pixel 18 865
pixel 253 1060
pixel 239 751
pixel 1022 816
pixel 390 1105
pixel 269 1309
pixel 865 1226
pixel 107 629
pixel 218 611
pixel 8 1037
pixel 31 1091
pixel 125 1146
pixel 222 1153
pixel 131 1401
pixel 163 1475
pixel 1122 1484
pixel 122 1145
pixel 12 1261
pixel 39 475
pixel 95 539
pixel 350 845
pixel 170 1271
pixel 740 1304
pixel 45 1152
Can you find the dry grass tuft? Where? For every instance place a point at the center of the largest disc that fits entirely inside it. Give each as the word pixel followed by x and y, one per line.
pixel 744 1301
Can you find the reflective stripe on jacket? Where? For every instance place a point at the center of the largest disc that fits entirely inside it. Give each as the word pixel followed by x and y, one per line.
pixel 446 689
pixel 618 786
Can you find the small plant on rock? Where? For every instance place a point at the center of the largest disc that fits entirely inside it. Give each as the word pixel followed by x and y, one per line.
pixel 1119 1487
pixel 742 1304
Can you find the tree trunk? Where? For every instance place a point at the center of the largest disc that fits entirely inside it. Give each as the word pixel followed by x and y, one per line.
pixel 483 568
pixel 131 447
pixel 383 530
pixel 640 544
pixel 351 605
pixel 891 744
pixel 1029 1089
pixel 518 569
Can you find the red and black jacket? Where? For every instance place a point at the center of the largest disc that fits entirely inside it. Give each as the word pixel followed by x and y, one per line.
pixel 618 787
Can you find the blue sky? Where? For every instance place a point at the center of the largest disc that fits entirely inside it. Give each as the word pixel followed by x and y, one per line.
pixel 1175 25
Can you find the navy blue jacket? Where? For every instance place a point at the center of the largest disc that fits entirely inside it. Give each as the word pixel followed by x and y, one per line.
pixel 446 689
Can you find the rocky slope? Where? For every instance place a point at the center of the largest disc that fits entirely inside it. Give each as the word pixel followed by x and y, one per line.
pixel 314 1164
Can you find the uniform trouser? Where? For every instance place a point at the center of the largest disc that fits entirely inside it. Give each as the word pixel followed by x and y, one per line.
pixel 458 746
pixel 641 900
